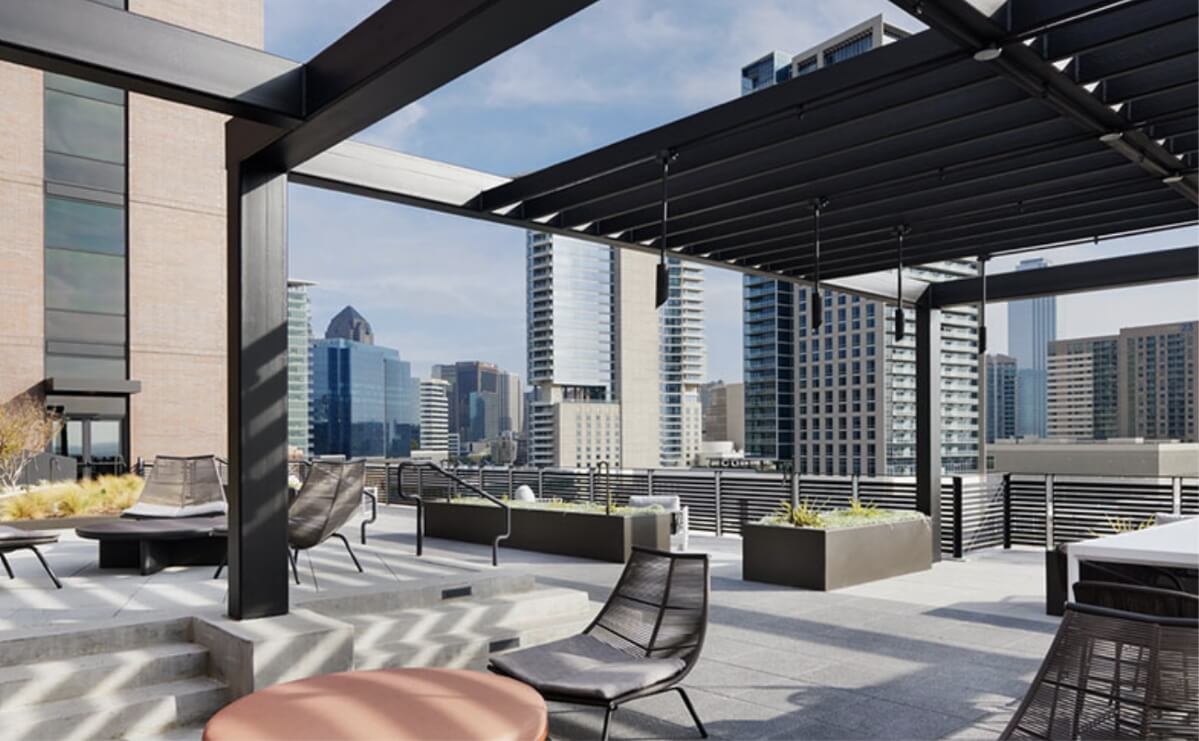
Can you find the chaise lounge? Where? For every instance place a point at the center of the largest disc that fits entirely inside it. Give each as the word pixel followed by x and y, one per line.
pixel 15 539
pixel 177 520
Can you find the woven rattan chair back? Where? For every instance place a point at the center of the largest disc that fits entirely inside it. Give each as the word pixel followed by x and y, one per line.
pixel 326 501
pixel 176 481
pixel 659 607
pixel 1112 674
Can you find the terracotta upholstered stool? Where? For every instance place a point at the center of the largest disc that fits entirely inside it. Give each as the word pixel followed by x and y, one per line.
pixel 397 704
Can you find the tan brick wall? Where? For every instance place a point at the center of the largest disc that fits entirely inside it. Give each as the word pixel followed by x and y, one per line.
pixel 22 317
pixel 177 278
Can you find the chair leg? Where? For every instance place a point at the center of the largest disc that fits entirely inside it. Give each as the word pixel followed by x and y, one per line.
pixel 293 556
pixel 6 566
pixel 46 566
pixel 691 709
pixel 220 567
pixel 607 718
pixel 349 550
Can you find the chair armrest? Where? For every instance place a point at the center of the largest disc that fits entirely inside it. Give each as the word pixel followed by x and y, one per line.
pixel 374 512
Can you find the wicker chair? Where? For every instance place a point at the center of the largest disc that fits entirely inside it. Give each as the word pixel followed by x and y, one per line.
pixel 644 641
pixel 330 495
pixel 1113 674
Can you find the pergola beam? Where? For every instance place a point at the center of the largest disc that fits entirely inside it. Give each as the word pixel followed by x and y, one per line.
pixel 1097 275
pixel 108 46
pixel 401 53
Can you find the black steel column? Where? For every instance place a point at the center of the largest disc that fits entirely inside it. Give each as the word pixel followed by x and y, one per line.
pixel 928 416
pixel 257 394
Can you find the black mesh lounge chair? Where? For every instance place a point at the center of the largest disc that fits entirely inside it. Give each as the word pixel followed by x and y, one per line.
pixel 643 642
pixel 15 539
pixel 1114 674
pixel 327 500
pixel 182 487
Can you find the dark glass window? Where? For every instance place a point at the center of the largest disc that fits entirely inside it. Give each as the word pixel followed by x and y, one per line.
pixel 63 168
pixel 85 89
pixel 70 366
pixel 72 326
pixel 86 226
pixel 85 281
pixel 84 127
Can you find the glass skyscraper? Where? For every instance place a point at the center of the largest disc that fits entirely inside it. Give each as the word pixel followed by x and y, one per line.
pixel 682 363
pixel 364 399
pixel 1032 325
pixel 299 367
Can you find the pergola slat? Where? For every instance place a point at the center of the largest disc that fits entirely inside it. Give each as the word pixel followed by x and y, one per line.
pixel 1113 26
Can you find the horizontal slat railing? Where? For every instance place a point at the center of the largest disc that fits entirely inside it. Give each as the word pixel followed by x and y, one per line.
pixel 721 501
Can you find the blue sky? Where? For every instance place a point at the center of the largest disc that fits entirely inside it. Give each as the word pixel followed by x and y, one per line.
pixel 441 288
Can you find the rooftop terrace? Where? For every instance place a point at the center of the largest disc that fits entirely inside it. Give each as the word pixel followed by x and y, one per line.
pixel 943 653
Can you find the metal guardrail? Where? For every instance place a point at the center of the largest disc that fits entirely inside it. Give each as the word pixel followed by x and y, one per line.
pixel 455 481
pixel 976 512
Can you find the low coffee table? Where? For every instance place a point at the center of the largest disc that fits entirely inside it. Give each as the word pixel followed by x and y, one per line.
pixel 150 545
pixel 397 704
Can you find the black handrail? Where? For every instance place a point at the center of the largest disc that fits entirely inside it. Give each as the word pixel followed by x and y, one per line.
pixel 420 509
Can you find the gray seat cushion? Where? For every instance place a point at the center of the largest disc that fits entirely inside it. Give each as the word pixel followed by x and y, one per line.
pixel 12 537
pixel 582 666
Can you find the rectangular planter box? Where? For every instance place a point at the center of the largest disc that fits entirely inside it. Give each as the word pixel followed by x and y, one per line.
pixel 596 536
pixel 830 559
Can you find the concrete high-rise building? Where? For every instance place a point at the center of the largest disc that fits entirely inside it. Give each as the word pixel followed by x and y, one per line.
pixel 1001 397
pixel 1031 326
pixel 435 415
pixel 841 400
pixel 364 399
pixel 112 255
pixel 593 355
pixel 1158 381
pixel 299 365
pixel 724 413
pixel 683 360
pixel 1081 388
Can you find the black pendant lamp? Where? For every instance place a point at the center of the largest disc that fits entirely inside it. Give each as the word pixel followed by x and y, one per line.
pixel 901 231
pixel 818 204
pixel 982 307
pixel 662 282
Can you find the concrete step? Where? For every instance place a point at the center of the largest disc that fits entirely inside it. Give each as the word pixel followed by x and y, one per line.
pixel 131 713
pixel 52 643
pixel 423 592
pixel 98 674
pixel 467 616
pixel 469 649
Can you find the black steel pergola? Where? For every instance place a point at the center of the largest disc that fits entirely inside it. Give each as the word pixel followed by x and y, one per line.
pixel 1035 123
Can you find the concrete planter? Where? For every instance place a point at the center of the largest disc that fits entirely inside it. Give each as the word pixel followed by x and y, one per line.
pixel 583 535
pixel 60 523
pixel 830 559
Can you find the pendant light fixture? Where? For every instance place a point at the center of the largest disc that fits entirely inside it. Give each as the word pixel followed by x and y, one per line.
pixel 982 307
pixel 818 204
pixel 662 276
pixel 901 231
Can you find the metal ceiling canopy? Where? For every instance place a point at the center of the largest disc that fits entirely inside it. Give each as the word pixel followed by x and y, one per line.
pixel 978 157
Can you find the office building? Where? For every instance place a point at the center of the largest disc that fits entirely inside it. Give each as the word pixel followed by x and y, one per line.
pixel 299 365
pixel 113 279
pixel 593 355
pixel 841 400
pixel 1032 325
pixel 1001 397
pixel 350 325
pixel 1158 381
pixel 435 415
pixel 724 413
pixel 682 364
pixel 364 400
pixel 1081 388
pixel 485 401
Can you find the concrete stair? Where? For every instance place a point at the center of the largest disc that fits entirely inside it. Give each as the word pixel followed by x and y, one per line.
pixel 465 632
pixel 119 681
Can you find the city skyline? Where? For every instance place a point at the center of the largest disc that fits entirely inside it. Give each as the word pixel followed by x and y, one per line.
pixel 381 264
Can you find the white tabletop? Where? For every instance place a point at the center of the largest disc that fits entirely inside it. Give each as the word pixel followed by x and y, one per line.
pixel 1176 544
